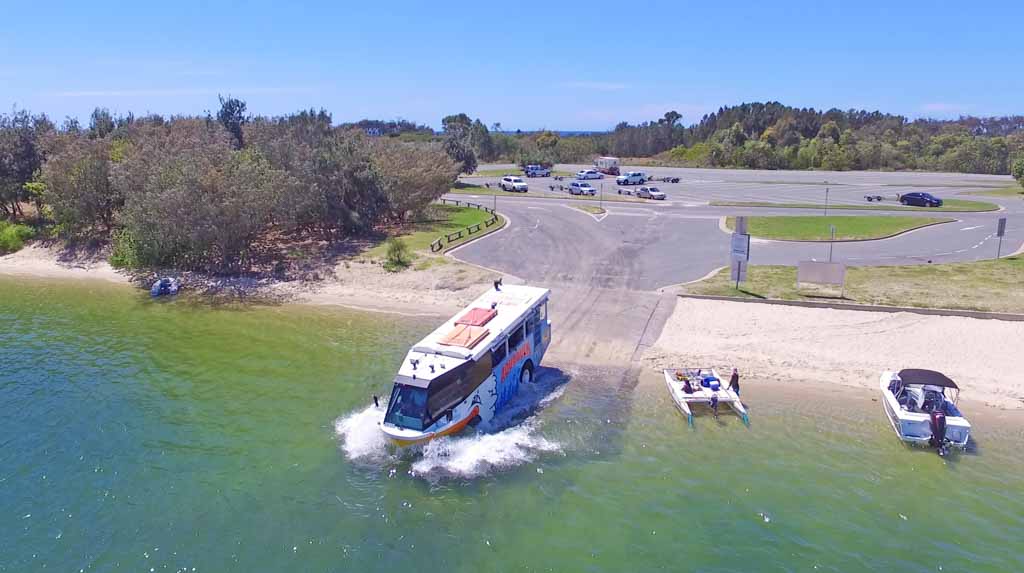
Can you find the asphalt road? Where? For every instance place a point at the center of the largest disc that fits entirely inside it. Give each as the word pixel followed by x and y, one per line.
pixel 652 244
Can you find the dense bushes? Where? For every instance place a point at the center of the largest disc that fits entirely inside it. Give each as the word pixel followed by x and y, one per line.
pixel 1018 170
pixel 13 236
pixel 198 193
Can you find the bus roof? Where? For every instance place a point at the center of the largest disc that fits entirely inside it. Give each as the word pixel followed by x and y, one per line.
pixel 450 346
pixel 511 304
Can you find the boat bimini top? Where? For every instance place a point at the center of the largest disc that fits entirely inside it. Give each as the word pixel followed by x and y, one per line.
pixel 921 377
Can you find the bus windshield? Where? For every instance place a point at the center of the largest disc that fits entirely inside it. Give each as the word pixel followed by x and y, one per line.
pixel 407 407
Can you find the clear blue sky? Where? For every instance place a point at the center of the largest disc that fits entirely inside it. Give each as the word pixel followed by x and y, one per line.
pixel 528 65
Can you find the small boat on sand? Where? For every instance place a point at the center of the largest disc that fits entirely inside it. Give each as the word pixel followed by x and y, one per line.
pixel 921 406
pixel 696 386
pixel 164 287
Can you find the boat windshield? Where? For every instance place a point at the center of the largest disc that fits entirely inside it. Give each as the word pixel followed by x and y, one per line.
pixel 407 407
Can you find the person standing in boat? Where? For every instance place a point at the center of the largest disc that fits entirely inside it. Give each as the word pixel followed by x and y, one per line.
pixel 734 381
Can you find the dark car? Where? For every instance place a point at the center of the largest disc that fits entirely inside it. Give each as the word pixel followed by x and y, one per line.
pixel 920 200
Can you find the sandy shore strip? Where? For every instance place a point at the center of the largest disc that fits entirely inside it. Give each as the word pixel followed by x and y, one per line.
pixel 792 345
pixel 441 289
pixel 36 260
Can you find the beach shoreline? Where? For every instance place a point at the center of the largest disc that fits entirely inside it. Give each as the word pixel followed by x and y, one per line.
pixel 771 345
pixel 790 346
pixel 437 290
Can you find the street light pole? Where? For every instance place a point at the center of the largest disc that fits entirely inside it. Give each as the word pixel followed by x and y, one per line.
pixel 826 198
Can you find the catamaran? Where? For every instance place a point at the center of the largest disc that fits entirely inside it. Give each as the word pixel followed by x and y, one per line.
pixel 690 386
pixel 468 369
pixel 921 412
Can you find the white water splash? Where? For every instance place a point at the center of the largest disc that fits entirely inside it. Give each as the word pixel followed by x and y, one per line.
pixel 360 436
pixel 507 441
pixel 473 456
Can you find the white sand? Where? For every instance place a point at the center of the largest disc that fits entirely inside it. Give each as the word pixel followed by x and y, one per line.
pixel 441 289
pixel 438 290
pixel 792 344
pixel 40 261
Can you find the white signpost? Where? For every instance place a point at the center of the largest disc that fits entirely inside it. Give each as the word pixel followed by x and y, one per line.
pixel 739 252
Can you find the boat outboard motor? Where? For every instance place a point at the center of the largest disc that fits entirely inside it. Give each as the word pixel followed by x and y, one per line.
pixel 938 440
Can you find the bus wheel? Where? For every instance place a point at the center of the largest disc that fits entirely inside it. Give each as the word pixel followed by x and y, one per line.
pixel 526 374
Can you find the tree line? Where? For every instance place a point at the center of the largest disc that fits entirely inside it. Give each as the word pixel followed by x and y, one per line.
pixel 774 136
pixel 199 192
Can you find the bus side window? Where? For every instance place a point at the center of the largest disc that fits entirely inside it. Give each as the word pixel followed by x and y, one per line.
pixel 499 352
pixel 516 338
pixel 542 311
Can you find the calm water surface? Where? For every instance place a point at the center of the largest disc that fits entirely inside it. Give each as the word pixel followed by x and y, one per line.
pixel 139 435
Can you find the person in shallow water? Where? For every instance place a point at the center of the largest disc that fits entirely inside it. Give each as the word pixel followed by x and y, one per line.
pixel 734 381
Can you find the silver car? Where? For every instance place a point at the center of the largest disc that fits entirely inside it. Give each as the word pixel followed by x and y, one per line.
pixel 650 193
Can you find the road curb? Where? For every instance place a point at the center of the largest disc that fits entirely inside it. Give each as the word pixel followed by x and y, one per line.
pixel 864 307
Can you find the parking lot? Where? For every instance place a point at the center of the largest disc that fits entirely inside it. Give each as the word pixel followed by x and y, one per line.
pixel 704 186
pixel 648 244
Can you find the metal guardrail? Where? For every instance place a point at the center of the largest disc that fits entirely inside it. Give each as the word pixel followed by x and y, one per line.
pixel 439 244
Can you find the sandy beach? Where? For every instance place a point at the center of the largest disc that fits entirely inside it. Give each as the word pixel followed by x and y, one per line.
pixel 790 345
pixel 439 289
pixel 769 343
pixel 38 260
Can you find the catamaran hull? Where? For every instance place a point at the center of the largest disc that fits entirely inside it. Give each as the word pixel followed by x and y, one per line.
pixel 684 401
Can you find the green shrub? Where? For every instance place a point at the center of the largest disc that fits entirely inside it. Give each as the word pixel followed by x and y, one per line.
pixel 398 255
pixel 13 236
pixel 124 254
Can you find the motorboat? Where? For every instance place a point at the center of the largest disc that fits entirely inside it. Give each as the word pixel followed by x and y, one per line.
pixel 164 287
pixel 922 408
pixel 469 369
pixel 701 386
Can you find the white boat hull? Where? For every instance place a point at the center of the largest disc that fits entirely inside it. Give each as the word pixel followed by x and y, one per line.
pixel 915 427
pixel 702 395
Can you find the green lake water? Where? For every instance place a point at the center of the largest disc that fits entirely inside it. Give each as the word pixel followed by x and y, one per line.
pixel 168 436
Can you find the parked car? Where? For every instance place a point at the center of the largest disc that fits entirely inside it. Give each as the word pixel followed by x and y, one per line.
pixel 632 178
pixel 920 199
pixel 537 171
pixel 581 188
pixel 589 174
pixel 668 179
pixel 513 183
pixel 650 193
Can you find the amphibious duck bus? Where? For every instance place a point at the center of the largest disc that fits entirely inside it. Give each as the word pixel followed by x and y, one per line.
pixel 467 370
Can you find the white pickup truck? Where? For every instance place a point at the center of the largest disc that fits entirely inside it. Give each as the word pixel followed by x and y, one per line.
pixel 632 178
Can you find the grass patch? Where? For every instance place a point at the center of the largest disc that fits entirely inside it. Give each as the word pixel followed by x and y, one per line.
pixel 13 236
pixel 440 220
pixel 1012 191
pixel 949 205
pixel 991 286
pixel 516 172
pixel 590 209
pixel 429 262
pixel 803 228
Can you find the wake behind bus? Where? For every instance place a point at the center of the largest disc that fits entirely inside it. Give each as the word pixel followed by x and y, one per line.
pixel 465 372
